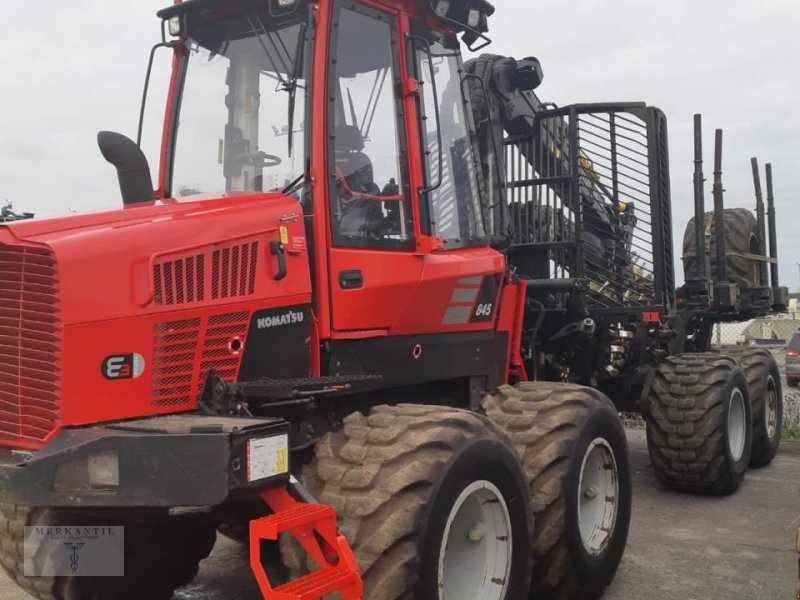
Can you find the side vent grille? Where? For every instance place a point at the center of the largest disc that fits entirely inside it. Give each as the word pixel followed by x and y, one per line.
pixel 229 273
pixel 185 351
pixel 218 352
pixel 174 362
pixel 233 271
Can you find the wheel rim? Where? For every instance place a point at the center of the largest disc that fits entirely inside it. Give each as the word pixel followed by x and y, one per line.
pixel 475 556
pixel 598 497
pixel 771 408
pixel 737 424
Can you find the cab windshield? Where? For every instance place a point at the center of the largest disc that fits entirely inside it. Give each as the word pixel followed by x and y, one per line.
pixel 241 124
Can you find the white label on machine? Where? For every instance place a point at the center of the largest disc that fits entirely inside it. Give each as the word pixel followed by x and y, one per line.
pixel 267 457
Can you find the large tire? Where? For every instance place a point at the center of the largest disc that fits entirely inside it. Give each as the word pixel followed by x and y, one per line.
pixel 741 237
pixel 395 476
pixel 160 555
pixel 699 423
pixel 766 399
pixel 554 428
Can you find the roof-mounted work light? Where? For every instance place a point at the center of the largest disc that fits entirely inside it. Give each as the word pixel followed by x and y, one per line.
pixel 469 16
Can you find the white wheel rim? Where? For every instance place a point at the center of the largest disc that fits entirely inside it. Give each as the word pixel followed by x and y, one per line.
pixel 476 550
pixel 598 497
pixel 737 424
pixel 771 408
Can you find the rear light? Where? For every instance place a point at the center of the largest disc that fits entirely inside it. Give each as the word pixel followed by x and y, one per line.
pixel 791 353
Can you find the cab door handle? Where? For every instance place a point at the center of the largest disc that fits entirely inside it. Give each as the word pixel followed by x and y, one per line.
pixel 351 280
pixel 276 249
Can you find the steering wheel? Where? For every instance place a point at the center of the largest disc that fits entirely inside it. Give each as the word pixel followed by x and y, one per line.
pixel 257 159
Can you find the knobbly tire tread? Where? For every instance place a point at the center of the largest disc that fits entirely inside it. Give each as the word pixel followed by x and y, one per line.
pixel 544 421
pixel 169 563
pixel 740 226
pixel 757 364
pixel 685 421
pixel 378 472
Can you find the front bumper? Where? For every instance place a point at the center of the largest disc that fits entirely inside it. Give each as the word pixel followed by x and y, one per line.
pixel 173 461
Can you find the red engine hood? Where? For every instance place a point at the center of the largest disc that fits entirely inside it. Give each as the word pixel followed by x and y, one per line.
pixel 105 260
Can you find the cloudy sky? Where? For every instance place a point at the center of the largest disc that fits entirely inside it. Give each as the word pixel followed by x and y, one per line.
pixel 72 68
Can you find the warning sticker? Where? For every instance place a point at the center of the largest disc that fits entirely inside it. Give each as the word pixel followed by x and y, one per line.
pixel 267 457
pixel 298 242
pixel 284 235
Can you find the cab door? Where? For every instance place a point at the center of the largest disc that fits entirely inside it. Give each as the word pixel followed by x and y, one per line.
pixel 373 263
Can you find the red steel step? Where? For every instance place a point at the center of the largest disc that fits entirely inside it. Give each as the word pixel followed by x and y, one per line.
pixel 314 527
pixel 317 585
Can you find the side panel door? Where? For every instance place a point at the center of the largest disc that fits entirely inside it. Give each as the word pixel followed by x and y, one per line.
pixel 374 269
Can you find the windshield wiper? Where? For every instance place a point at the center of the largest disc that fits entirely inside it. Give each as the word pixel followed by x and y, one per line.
pixel 295 185
pixel 298 65
pixel 262 33
pixel 281 54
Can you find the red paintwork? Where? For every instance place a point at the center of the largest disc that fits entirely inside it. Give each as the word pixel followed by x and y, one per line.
pixel 105 265
pixel 119 283
pixel 314 528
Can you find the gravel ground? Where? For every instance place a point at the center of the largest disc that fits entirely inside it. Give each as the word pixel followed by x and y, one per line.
pixel 791 396
pixel 681 547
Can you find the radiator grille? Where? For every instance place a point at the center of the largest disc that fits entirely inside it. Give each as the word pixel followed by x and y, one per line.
pixel 30 345
pixel 217 274
pixel 185 351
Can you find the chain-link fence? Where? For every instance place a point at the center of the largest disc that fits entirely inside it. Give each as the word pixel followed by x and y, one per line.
pixel 773 334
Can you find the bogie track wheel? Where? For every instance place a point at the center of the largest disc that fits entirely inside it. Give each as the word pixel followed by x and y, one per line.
pixel 699 424
pixel 432 500
pixel 766 399
pixel 574 452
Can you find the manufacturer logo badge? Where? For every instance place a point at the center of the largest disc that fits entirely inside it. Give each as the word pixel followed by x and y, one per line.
pixel 122 366
pixel 289 318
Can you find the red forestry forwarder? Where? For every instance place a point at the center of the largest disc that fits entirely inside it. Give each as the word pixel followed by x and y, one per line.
pixel 323 314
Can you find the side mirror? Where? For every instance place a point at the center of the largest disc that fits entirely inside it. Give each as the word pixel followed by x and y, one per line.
pixel 133 172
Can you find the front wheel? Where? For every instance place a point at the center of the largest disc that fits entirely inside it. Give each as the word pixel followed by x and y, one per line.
pixel 432 500
pixel 575 455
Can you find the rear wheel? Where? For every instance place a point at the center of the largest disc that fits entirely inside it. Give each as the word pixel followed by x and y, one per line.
pixel 433 501
pixel 699 423
pixel 766 399
pixel 161 554
pixel 574 452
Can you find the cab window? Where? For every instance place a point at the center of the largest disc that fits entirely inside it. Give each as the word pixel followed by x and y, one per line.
pixel 369 184
pixel 454 203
